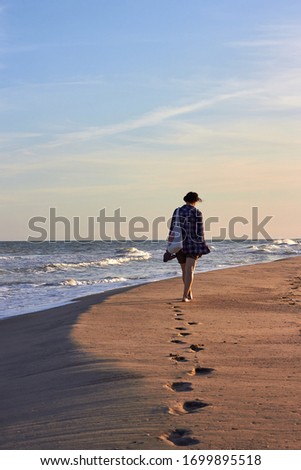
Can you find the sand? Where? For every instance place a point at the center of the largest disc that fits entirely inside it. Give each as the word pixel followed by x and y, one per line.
pixel 141 370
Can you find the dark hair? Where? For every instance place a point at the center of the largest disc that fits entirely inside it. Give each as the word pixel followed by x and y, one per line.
pixel 192 197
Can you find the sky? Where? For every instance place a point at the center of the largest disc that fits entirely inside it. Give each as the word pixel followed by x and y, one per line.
pixel 129 104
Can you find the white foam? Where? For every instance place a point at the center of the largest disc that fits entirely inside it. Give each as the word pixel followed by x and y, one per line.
pixel 278 247
pixel 285 241
pixel 138 256
pixel 75 282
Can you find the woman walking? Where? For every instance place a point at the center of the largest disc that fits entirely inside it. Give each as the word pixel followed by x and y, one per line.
pixel 194 245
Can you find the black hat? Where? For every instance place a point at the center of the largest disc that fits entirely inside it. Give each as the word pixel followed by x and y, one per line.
pixel 192 197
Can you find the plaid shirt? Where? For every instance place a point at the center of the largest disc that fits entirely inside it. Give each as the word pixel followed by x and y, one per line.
pixel 191 221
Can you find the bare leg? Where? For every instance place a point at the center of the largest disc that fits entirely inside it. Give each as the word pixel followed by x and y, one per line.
pixel 183 266
pixel 188 278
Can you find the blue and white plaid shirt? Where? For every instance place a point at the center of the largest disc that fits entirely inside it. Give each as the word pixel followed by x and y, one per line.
pixel 191 222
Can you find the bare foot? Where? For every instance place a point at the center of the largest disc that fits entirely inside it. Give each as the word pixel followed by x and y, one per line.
pixel 190 296
pixel 185 299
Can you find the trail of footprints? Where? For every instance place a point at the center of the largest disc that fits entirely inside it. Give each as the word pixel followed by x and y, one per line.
pixel 293 296
pixel 182 437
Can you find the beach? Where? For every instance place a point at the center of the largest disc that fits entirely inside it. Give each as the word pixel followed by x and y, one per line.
pixel 136 368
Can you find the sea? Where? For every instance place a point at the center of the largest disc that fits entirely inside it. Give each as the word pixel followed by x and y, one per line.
pixel 37 276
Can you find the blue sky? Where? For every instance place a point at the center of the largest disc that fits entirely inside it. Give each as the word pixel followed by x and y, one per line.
pixel 131 104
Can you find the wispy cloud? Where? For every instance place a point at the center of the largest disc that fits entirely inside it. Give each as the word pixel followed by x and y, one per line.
pixel 150 119
pixel 275 53
pixel 273 40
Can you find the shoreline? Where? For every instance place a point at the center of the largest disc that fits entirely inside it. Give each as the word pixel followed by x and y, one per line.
pixel 128 370
pixel 117 290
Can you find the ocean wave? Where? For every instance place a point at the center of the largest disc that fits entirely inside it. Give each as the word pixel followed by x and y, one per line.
pixel 76 282
pixel 286 241
pixel 136 256
pixel 132 251
pixel 268 248
pixel 280 248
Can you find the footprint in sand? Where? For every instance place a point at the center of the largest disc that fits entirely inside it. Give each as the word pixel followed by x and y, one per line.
pixel 180 438
pixel 178 311
pixel 177 341
pixel 179 318
pixel 177 358
pixel 181 328
pixel 197 347
pixel 192 323
pixel 194 405
pixel 191 406
pixel 184 334
pixel 180 386
pixel 200 371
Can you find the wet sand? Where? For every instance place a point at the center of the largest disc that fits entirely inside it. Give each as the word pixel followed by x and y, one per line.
pixel 139 369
